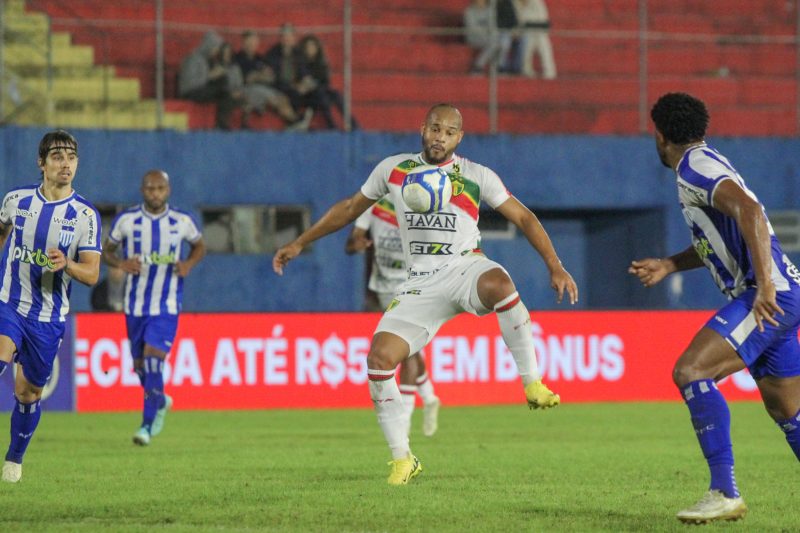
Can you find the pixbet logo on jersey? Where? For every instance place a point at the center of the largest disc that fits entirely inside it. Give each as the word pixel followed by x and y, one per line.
pixel 156 258
pixel 34 257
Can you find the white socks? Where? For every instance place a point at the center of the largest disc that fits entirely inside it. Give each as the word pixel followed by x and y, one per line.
pixel 425 389
pixel 388 404
pixel 515 325
pixel 409 394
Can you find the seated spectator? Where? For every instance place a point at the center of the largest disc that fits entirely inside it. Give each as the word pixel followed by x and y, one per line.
pixel 202 78
pixel 315 85
pixel 286 62
pixel 259 90
pixel 534 24
pixel 490 42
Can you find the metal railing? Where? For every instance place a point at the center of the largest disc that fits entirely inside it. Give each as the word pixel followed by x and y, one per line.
pixel 351 44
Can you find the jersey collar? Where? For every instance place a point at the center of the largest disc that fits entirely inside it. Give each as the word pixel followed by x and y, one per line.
pixel 154 216
pixel 53 202
pixel 701 144
pixel 447 163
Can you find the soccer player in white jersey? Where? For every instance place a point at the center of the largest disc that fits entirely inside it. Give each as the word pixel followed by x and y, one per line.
pixel 448 273
pixel 377 230
pixel 757 329
pixel 50 235
pixel 150 237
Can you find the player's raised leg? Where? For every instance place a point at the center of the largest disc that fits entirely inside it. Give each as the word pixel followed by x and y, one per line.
pixel 496 291
pixel 386 352
pixel 709 358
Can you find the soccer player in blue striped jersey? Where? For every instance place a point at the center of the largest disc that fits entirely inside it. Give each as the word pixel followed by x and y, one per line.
pixel 757 329
pixel 50 235
pixel 150 237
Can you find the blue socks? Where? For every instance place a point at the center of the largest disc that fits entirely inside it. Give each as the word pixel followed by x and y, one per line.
pixel 24 419
pixel 3 366
pixel 140 374
pixel 791 427
pixel 712 424
pixel 153 389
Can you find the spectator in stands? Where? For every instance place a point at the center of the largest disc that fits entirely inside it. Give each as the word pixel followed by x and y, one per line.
pixel 203 78
pixel 482 34
pixel 286 62
pixel 315 86
pixel 534 23
pixel 506 21
pixel 260 92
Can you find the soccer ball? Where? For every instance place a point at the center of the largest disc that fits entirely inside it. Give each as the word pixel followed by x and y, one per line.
pixel 427 189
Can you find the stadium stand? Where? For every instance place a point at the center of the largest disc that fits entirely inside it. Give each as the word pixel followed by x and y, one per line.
pixel 407 53
pixel 52 80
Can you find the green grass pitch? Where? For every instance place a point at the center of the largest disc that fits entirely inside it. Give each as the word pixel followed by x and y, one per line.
pixel 583 467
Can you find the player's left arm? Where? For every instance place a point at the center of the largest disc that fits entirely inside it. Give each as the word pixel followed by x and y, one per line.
pixel 529 225
pixel 732 200
pixel 86 269
pixel 197 250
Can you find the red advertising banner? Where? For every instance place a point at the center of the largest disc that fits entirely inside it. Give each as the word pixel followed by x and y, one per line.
pixel 318 360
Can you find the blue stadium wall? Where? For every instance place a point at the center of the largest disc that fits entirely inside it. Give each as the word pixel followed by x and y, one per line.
pixel 604 201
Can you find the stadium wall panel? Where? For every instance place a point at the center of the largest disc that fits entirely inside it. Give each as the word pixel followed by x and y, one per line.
pixel 605 200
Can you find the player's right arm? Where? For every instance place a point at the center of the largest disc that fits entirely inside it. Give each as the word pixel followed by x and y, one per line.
pixel 652 270
pixel 132 265
pixel 341 214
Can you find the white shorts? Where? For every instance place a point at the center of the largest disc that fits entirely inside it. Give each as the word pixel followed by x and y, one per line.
pixel 422 305
pixel 384 299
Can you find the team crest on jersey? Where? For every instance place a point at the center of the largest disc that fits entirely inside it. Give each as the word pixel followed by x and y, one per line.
pixel 456 180
pixel 65 237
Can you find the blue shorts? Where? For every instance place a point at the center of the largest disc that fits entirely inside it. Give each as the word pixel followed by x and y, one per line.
pixel 776 351
pixel 37 343
pixel 158 331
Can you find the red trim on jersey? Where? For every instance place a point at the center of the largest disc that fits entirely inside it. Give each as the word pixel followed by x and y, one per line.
pixel 385 215
pixel 465 203
pixel 397 176
pixel 508 306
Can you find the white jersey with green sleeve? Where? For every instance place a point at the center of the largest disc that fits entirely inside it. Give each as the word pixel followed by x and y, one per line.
pixel 430 241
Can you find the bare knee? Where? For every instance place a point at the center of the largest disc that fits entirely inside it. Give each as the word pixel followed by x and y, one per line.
pixel 386 352
pixel 27 393
pixel 684 373
pixel 493 286
pixel 381 358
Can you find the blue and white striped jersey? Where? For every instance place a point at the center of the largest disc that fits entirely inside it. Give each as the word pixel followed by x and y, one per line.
pixel 716 237
pixel 157 240
pixel 71 225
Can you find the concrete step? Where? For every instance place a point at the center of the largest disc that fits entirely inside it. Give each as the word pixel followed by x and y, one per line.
pixel 137 117
pixel 19 54
pixel 87 89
